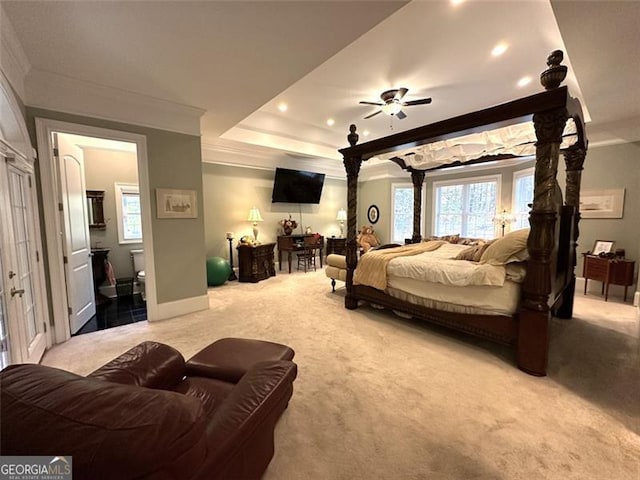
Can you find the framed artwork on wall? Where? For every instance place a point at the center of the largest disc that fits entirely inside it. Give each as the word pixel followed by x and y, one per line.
pixel 173 203
pixel 373 214
pixel 602 203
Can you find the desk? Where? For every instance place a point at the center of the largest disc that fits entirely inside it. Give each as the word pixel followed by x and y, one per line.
pixel 255 262
pixel 609 271
pixel 293 243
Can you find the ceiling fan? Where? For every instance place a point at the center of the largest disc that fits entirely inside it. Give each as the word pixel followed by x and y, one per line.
pixel 392 103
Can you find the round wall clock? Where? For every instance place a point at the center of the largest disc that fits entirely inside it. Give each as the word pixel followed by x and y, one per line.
pixel 373 214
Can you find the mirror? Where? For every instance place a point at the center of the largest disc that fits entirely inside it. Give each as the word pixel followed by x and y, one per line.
pixel 95 200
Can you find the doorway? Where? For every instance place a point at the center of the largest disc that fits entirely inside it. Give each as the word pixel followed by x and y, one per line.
pixel 23 315
pixel 53 180
pixel 102 234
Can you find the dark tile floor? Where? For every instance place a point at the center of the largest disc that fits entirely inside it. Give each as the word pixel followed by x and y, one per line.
pixel 115 312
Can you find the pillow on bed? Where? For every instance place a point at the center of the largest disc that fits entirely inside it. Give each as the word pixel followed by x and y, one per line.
pixel 510 248
pixel 472 242
pixel 473 254
pixel 446 238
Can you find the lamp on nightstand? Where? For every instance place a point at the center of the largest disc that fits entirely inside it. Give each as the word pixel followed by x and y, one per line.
pixel 255 217
pixel 342 216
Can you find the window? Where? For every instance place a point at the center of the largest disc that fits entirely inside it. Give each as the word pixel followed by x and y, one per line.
pixel 522 197
pixel 466 206
pixel 402 211
pixel 128 211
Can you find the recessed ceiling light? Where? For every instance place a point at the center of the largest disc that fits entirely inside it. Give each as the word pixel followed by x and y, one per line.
pixel 456 2
pixel 499 49
pixel 282 107
pixel 366 133
pixel 524 81
pixel 330 122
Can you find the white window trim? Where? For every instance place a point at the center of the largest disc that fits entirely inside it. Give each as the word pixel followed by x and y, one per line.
pixel 124 188
pixel 394 186
pixel 516 175
pixel 465 181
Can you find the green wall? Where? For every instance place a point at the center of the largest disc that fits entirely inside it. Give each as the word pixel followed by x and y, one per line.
pixel 610 167
pixel 174 161
pixel 230 192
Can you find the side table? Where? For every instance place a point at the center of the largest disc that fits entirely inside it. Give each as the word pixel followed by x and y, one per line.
pixel 616 271
pixel 256 262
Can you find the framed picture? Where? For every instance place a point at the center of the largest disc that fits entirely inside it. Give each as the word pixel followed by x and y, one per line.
pixel 602 246
pixel 176 203
pixel 373 214
pixel 602 203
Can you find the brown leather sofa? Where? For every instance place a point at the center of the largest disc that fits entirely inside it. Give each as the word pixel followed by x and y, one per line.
pixel 149 414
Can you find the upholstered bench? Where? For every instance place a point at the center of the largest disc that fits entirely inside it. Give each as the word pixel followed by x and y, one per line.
pixel 336 269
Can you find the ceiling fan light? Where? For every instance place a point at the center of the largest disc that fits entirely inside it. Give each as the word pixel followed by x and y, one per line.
pixel 391 108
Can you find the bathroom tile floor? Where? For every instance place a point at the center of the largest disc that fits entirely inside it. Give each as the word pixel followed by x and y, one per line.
pixel 118 311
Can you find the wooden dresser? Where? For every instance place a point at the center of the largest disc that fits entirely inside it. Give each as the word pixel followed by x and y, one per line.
pixel 256 262
pixel 337 246
pixel 616 271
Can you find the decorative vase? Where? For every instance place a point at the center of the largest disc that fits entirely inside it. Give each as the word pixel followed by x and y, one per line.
pixel 287 230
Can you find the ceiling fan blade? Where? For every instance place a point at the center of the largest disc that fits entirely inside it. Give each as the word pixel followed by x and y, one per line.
pixel 371 103
pixel 401 115
pixel 373 114
pixel 422 101
pixel 401 93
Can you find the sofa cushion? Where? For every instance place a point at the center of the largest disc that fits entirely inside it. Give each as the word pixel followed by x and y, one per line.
pixel 112 431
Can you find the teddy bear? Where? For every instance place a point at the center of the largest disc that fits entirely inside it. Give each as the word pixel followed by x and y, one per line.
pixel 367 239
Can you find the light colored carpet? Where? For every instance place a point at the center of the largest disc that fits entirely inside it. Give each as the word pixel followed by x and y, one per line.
pixel 379 397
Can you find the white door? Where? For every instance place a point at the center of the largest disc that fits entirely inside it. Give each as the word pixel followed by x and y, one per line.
pixel 5 357
pixel 22 321
pixel 77 243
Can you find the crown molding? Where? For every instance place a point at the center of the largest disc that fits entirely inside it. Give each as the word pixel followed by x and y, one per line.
pixel 242 155
pixel 13 60
pixel 52 91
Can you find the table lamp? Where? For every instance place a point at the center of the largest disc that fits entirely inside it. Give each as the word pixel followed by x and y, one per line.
pixel 503 218
pixel 255 217
pixel 342 216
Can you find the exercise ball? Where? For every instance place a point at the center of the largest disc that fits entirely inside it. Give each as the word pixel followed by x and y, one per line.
pixel 218 271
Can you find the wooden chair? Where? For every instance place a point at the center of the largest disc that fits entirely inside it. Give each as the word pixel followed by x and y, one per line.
pixel 308 252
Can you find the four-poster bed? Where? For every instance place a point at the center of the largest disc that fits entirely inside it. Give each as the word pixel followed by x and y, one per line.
pixel 549 284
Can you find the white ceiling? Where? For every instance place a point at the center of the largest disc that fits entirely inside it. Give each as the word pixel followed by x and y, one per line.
pixel 238 60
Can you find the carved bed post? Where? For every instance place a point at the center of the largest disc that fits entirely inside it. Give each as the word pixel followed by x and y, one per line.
pixel 352 166
pixel 574 158
pixel 533 328
pixel 417 178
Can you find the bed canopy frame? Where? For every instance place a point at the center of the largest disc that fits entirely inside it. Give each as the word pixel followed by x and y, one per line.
pixel 549 285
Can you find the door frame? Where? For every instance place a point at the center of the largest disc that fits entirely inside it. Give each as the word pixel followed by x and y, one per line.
pixel 16 144
pixel 53 224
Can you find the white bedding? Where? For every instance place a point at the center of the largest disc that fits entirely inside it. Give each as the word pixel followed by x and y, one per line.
pixel 440 267
pixel 435 280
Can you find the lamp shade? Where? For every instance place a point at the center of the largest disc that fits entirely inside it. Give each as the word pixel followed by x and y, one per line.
pixel 342 215
pixel 254 215
pixel 391 108
pixel 504 218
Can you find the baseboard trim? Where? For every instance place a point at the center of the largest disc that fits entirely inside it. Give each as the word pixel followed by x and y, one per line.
pixel 179 307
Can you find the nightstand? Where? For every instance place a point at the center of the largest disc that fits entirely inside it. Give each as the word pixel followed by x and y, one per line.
pixel 616 271
pixel 256 262
pixel 337 246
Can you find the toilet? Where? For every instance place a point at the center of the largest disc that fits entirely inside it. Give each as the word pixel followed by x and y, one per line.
pixel 137 257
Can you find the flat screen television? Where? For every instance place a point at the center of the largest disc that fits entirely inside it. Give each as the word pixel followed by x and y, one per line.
pixel 295 186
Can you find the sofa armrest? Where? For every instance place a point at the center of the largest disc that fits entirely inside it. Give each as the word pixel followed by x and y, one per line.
pixel 250 411
pixel 149 364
